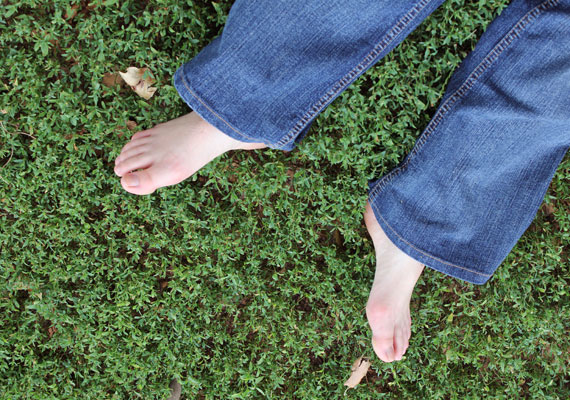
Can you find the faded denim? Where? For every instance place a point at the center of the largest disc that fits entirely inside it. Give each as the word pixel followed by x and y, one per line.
pixel 478 173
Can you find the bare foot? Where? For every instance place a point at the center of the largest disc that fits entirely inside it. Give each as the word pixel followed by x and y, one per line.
pixel 171 152
pixel 388 307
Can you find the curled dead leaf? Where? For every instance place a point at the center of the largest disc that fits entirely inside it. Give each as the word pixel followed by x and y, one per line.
pixel 359 371
pixel 140 80
pixel 132 125
pixel 144 90
pixel 133 75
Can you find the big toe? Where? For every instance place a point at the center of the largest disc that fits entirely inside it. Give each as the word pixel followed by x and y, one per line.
pixel 139 182
pixel 384 348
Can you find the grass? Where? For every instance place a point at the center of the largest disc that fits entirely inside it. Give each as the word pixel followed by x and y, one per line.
pixel 249 280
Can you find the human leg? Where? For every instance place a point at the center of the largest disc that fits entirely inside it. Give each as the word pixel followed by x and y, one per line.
pixel 477 175
pixel 274 68
pixel 278 64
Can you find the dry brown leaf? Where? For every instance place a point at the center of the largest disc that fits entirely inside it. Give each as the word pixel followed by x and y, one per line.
pixel 111 79
pixel 548 209
pixel 132 125
pixel 51 331
pixel 135 78
pixel 359 371
pixel 133 75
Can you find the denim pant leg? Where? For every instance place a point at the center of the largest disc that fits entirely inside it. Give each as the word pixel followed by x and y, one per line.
pixel 477 175
pixel 279 63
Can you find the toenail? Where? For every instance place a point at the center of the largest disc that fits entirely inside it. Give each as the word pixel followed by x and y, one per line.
pixel 131 180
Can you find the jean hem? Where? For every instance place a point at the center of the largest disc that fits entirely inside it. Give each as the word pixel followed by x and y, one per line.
pixel 199 105
pixel 423 256
pixel 376 188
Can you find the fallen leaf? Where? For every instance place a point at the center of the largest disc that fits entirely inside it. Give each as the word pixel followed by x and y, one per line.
pixel 4 111
pixel 548 209
pixel 133 75
pixel 111 79
pixel 140 82
pixel 51 331
pixel 359 371
pixel 132 125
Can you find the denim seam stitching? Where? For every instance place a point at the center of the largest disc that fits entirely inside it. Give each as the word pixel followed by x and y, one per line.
pixel 423 252
pixel 483 66
pixel 362 66
pixel 212 111
pixel 473 78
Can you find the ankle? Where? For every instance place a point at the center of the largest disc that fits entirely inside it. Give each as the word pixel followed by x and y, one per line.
pixel 223 140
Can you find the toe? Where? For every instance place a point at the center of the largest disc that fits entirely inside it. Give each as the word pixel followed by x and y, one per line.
pixel 139 182
pixel 131 152
pixel 384 348
pixel 141 134
pixel 136 162
pixel 132 145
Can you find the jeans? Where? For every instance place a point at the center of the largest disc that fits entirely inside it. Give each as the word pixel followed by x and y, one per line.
pixel 472 184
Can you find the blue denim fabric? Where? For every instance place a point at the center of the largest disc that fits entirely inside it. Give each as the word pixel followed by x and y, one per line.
pixel 472 184
pixel 477 175
pixel 279 63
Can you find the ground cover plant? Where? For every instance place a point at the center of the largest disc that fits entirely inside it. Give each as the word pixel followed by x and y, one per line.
pixel 250 279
